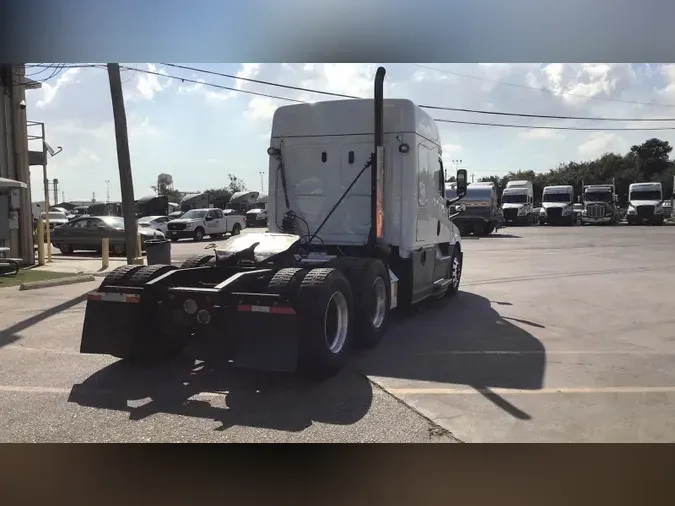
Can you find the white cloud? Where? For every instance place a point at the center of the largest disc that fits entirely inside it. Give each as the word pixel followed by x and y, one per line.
pixel 599 143
pixel 211 95
pixel 149 85
pixel 49 91
pixel 540 134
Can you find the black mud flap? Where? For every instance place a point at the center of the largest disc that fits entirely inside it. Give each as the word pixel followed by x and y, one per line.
pixel 110 324
pixel 268 338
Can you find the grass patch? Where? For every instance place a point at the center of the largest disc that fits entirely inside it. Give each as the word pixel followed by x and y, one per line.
pixel 25 276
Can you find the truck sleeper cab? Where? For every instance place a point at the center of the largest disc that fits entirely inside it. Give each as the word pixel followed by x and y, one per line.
pixel 359 225
pixel 645 204
pixel 557 206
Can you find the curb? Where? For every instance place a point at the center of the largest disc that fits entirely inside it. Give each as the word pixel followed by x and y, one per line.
pixel 32 285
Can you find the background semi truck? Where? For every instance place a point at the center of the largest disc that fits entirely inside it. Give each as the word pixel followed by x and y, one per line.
pixel 518 203
pixel 557 206
pixel 600 205
pixel 645 204
pixel 346 247
pixel 482 214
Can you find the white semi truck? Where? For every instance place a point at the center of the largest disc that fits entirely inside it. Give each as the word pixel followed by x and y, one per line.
pixel 600 205
pixel 518 203
pixel 359 226
pixel 557 205
pixel 645 204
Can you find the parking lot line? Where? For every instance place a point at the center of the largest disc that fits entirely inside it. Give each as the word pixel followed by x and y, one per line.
pixel 547 352
pixel 508 391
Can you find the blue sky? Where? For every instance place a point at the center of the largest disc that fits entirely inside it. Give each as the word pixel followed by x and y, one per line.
pixel 199 134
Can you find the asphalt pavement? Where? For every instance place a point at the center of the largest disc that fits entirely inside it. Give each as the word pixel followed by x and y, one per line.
pixel 558 334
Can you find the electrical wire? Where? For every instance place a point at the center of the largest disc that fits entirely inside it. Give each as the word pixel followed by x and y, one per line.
pixel 432 107
pixel 440 120
pixel 590 129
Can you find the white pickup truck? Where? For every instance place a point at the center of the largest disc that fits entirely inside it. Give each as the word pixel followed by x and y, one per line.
pixel 197 223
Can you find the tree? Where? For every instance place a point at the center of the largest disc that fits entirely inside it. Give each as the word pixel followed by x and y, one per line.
pixel 649 161
pixel 652 157
pixel 236 184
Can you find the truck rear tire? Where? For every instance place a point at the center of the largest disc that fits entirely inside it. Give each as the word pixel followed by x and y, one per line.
pixel 325 317
pixel 151 344
pixel 286 283
pixel 149 272
pixel 371 290
pixel 120 275
pixel 196 261
pixel 198 235
pixel 236 229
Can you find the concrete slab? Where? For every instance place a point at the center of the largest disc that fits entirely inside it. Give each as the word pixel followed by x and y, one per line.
pixel 560 334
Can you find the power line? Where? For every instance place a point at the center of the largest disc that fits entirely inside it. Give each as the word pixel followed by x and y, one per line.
pixel 432 107
pixel 591 129
pixel 540 89
pixel 440 120
pixel 212 85
pixel 258 81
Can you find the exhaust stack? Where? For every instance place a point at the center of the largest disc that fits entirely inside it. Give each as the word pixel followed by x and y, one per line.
pixel 377 168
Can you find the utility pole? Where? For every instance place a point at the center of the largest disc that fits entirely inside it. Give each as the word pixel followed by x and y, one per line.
pixel 123 161
pixel 472 176
pixel 262 184
pixel 107 191
pixel 46 190
pixel 56 191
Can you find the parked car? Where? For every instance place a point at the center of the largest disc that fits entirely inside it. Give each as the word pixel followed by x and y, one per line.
pixel 86 233
pixel 56 219
pixel 155 222
pixel 197 223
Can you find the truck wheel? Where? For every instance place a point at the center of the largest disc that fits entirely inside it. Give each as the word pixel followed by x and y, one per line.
pixel 455 272
pixel 120 275
pixel 286 283
pixel 236 229
pixel 196 261
pixel 372 300
pixel 198 235
pixel 325 312
pixel 149 272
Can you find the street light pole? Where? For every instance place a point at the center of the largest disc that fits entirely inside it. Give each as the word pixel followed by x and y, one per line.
pixel 46 189
pixel 262 184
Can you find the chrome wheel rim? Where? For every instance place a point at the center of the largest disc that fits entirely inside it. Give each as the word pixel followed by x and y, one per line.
pixel 379 291
pixel 336 322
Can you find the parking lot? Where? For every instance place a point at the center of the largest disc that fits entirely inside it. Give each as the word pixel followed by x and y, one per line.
pixel 559 334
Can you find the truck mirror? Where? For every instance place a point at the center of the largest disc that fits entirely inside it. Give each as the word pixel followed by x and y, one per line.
pixel 461 182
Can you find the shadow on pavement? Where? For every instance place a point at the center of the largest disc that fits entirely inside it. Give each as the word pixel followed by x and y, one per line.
pixel 9 335
pixel 229 396
pixel 462 341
